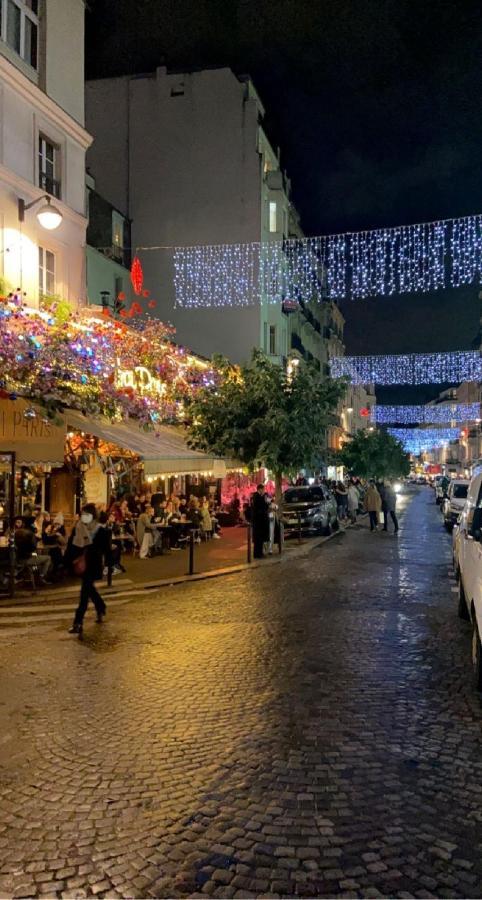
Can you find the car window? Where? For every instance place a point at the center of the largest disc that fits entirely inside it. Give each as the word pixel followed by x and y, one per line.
pixel 303 496
pixel 460 491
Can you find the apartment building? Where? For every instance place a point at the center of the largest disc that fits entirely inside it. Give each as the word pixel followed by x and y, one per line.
pixel 185 156
pixel 43 143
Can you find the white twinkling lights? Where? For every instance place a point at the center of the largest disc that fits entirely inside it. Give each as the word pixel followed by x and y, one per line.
pixel 428 414
pixel 419 440
pixel 381 262
pixel 411 368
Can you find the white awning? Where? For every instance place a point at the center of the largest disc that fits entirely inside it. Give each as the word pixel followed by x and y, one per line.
pixel 163 452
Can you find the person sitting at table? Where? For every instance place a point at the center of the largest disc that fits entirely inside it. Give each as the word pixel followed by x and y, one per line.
pixel 182 509
pixel 26 546
pixel 120 511
pixel 54 538
pixel 117 545
pixel 213 508
pixel 40 517
pixel 175 501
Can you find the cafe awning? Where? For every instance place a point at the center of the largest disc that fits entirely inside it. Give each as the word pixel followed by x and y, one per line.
pixel 26 430
pixel 164 452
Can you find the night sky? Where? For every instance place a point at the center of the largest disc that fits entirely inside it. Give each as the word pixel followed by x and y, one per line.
pixel 376 108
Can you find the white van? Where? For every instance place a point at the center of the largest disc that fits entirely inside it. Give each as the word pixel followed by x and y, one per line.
pixel 469 569
pixel 455 501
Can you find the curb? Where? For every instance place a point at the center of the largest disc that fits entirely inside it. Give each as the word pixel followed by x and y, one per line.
pixel 37 611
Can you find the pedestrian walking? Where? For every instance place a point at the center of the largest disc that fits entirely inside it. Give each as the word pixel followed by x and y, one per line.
pixel 373 505
pixel 93 543
pixel 391 507
pixel 273 522
pixel 353 499
pixel 259 521
pixel 381 490
pixel 341 495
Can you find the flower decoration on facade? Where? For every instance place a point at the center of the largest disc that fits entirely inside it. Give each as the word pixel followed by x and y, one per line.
pixel 98 365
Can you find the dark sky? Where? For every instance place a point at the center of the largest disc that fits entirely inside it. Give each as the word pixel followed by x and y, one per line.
pixel 376 105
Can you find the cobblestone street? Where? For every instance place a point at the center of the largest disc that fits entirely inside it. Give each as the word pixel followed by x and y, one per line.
pixel 304 729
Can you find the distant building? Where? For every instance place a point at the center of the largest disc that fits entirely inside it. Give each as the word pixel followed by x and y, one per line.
pixel 42 147
pixel 185 156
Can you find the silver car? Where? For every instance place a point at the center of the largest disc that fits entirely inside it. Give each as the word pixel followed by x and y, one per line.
pixel 309 509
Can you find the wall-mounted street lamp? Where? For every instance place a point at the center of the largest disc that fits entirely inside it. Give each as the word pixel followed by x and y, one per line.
pixel 48 215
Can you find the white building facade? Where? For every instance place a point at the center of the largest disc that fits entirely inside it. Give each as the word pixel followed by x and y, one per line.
pixel 43 144
pixel 186 158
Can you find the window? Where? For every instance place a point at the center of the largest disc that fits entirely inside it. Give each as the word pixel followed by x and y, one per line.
pixel 117 232
pixel 265 337
pixel 19 28
pixel 48 166
pixel 46 271
pixel 272 340
pixel 272 215
pixel 118 286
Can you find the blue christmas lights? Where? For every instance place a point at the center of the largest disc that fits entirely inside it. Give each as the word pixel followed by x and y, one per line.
pixel 412 368
pixel 428 414
pixel 408 259
pixel 419 440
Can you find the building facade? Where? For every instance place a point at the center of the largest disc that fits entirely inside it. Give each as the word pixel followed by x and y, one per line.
pixel 43 143
pixel 108 255
pixel 186 158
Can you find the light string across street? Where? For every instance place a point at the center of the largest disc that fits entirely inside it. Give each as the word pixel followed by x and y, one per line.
pixel 410 368
pixel 419 440
pixel 443 413
pixel 379 262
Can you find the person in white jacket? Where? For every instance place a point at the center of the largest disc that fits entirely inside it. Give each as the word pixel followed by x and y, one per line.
pixel 353 502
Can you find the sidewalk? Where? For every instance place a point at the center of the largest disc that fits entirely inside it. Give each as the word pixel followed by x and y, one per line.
pixel 211 559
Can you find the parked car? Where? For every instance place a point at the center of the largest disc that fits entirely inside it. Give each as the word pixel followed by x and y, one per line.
pixel 469 569
pixel 455 501
pixel 313 508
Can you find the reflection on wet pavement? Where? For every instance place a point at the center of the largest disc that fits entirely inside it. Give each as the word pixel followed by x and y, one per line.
pixel 308 729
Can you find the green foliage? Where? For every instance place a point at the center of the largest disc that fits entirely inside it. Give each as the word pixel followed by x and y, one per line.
pixel 260 416
pixel 375 454
pixel 60 309
pixel 5 288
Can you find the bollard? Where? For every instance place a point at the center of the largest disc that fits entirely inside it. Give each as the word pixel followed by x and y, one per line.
pixel 12 554
pixel 249 543
pixel 191 552
pixel 299 528
pixel 281 537
pixel 110 567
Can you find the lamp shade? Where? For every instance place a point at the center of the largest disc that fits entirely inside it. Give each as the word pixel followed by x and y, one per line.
pixel 49 216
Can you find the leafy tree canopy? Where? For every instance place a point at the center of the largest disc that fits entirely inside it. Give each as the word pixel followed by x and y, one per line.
pixel 375 454
pixel 265 417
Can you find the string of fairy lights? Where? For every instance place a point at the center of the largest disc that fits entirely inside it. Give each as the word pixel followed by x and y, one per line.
pixel 420 440
pixel 410 368
pixel 378 262
pixel 444 413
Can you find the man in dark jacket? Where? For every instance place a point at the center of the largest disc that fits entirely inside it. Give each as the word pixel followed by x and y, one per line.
pixel 259 521
pixel 94 538
pixel 390 507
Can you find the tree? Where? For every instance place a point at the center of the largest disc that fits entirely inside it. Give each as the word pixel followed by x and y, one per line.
pixel 375 454
pixel 265 415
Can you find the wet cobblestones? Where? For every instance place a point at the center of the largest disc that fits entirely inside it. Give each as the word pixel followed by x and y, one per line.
pixel 308 730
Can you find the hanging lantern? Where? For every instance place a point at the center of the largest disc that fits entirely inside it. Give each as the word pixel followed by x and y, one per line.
pixel 365 412
pixel 137 275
